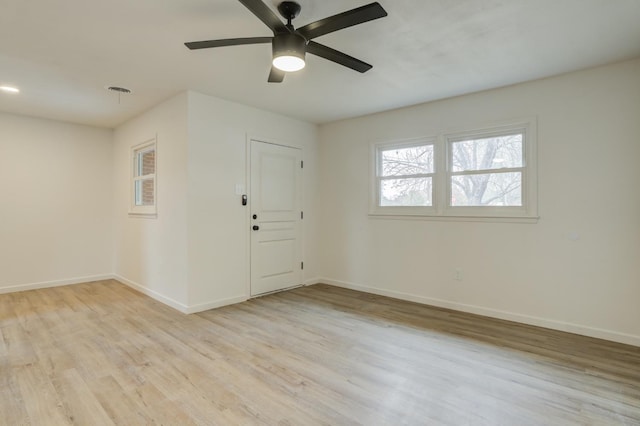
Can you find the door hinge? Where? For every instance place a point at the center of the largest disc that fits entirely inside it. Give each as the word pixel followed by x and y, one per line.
pixel 301 265
pixel 302 164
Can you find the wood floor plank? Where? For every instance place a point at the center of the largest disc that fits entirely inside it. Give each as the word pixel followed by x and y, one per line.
pixel 101 353
pixel 39 396
pixel 12 409
pixel 82 404
pixel 120 410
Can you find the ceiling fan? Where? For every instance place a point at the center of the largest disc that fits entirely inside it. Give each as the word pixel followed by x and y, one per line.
pixel 289 44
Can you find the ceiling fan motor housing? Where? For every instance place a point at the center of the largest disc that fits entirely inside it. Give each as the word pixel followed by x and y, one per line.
pixel 289 45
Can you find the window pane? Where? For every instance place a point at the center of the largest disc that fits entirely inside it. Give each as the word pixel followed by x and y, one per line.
pixel 407 161
pixel 406 192
pixel 487 153
pixel 144 192
pixel 491 189
pixel 146 163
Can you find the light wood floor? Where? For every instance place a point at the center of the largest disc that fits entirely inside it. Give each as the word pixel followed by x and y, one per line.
pixel 100 353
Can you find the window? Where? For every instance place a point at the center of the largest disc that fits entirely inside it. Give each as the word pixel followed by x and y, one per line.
pixel 481 173
pixel 143 199
pixel 405 174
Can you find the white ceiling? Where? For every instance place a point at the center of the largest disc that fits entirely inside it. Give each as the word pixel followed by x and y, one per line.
pixel 62 53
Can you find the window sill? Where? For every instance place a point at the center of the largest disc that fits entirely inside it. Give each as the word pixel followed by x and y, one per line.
pixel 143 215
pixel 443 218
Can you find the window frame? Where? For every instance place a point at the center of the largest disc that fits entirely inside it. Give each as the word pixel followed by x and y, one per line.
pixel 443 173
pixel 378 148
pixel 136 150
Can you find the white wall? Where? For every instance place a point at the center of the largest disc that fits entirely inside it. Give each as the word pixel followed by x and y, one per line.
pixel 56 195
pixel 193 256
pixel 588 154
pixel 151 253
pixel 218 223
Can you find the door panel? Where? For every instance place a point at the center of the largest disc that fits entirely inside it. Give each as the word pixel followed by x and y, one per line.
pixel 277 189
pixel 276 253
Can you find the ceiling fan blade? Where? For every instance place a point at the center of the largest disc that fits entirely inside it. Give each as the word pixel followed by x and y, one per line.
pixel 337 57
pixel 227 42
pixel 266 15
pixel 342 20
pixel 276 75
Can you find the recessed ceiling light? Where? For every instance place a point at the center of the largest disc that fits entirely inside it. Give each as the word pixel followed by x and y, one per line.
pixel 9 89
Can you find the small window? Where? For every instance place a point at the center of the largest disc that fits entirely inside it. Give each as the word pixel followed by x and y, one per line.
pixel 143 200
pixel 488 173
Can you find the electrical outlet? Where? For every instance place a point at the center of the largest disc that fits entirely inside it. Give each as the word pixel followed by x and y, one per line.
pixel 457 274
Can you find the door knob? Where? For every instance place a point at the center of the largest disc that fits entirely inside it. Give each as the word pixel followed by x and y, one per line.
pixel 256 227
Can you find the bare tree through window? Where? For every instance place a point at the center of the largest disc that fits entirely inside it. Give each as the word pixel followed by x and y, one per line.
pixel 407 176
pixel 487 171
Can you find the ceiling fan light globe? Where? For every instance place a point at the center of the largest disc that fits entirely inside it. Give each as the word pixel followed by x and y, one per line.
pixel 288 63
pixel 288 52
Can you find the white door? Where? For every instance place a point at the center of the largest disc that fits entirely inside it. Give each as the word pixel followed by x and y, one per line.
pixel 276 214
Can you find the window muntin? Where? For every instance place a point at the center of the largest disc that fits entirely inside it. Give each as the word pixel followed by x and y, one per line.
pixel 486 174
pixel 405 175
pixel 144 179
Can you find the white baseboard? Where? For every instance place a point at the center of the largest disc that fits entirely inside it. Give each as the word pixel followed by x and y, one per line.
pixel 55 283
pixel 613 336
pixel 153 294
pixel 185 309
pixel 215 304
pixel 313 281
